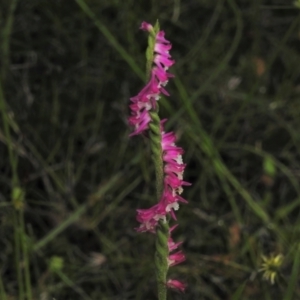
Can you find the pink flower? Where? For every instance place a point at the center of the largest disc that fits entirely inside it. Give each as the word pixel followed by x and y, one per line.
pixel 160 37
pixel 146 99
pixel 162 76
pixel 173 182
pixel 176 284
pixel 143 102
pixel 151 90
pixel 174 166
pixel 149 217
pixel 140 122
pixel 163 61
pixel 146 26
pixel 162 48
pixel 176 258
pixel 172 245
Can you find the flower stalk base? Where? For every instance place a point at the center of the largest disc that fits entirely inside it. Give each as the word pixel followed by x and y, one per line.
pixel 161 259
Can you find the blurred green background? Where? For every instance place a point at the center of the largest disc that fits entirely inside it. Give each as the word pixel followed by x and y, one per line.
pixel 71 178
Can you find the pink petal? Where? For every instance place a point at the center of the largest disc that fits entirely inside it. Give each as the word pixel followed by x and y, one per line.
pixel 160 37
pixel 176 258
pixel 163 60
pixel 172 245
pixel 176 284
pixel 146 26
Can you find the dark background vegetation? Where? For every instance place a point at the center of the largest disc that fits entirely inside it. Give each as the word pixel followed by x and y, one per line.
pixel 68 70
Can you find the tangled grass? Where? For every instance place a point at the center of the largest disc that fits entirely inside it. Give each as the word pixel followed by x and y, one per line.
pixel 71 178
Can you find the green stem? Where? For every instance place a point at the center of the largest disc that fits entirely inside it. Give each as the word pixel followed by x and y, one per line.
pixel 18 254
pixel 162 231
pixel 150 55
pixel 161 259
pixel 155 143
pixel 12 157
pixel 2 290
pixel 25 256
pixel 6 32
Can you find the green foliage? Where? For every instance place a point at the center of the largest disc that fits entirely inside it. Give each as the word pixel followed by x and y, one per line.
pixel 71 178
pixel 269 166
pixel 56 264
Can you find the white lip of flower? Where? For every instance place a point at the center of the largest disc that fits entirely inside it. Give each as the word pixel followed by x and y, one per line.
pixel 180 175
pixel 179 190
pixel 148 106
pixel 160 217
pixel 147 225
pixel 179 159
pixel 174 205
pixel 155 96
